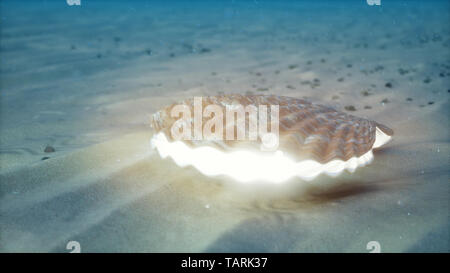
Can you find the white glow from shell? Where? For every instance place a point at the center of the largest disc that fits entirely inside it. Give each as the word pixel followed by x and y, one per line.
pixel 248 166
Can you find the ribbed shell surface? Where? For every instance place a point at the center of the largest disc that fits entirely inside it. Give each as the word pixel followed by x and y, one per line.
pixel 306 130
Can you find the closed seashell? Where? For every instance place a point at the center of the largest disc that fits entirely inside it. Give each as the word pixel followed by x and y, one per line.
pixel 312 139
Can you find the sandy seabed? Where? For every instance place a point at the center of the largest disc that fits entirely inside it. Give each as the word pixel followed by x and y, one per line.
pixel 85 80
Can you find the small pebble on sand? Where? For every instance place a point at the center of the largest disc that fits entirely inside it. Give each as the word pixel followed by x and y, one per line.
pixel 49 149
pixel 384 101
pixel 388 85
pixel 409 99
pixel 45 158
pixel 402 71
pixel 350 108
pixel 427 80
pixel 367 107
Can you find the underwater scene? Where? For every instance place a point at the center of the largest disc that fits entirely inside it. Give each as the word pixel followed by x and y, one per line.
pixel 91 93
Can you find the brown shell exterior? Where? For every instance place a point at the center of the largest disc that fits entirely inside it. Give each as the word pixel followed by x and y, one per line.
pixel 307 130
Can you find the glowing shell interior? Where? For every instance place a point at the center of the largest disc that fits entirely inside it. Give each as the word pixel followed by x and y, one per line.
pixel 313 139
